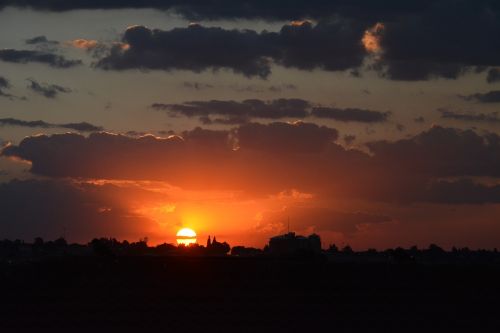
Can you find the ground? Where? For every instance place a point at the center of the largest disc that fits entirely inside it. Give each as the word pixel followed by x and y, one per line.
pixel 186 294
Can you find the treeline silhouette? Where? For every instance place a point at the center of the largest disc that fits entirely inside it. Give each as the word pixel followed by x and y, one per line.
pixel 111 247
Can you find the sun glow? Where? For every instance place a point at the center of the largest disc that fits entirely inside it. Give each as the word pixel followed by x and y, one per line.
pixel 186 236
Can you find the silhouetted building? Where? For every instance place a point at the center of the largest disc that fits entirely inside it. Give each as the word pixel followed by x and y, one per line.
pixel 289 244
pixel 216 248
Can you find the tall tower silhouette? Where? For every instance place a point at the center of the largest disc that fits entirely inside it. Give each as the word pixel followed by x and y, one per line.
pixel 209 242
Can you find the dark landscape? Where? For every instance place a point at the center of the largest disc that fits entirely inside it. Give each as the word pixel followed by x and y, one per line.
pixel 399 290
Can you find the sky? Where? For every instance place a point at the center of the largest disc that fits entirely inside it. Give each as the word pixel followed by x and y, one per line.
pixel 373 124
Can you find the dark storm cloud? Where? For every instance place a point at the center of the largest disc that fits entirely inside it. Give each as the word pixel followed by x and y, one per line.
pixel 250 108
pixel 81 127
pixel 47 90
pixel 489 97
pixel 445 40
pixel 350 114
pixel 263 159
pixel 246 9
pixel 331 45
pixel 81 211
pixel 239 112
pixel 27 56
pixel 473 117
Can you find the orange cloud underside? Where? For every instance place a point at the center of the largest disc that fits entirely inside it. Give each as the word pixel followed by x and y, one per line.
pixel 83 43
pixel 371 38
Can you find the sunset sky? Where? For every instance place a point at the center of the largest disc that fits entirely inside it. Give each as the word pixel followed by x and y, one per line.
pixel 371 123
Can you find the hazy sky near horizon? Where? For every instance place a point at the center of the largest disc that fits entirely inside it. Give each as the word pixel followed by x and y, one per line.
pixel 371 124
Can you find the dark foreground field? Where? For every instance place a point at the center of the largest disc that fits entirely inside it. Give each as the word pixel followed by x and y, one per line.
pixel 155 294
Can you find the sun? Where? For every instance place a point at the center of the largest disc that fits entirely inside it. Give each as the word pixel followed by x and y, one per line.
pixel 186 232
pixel 186 236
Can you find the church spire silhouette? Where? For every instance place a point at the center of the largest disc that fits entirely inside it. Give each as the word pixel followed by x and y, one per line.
pixel 209 242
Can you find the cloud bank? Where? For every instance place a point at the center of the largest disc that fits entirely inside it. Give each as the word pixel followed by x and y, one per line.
pixel 260 159
pixel 330 45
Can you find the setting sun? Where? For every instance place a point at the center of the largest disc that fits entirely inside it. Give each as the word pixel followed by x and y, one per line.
pixel 186 236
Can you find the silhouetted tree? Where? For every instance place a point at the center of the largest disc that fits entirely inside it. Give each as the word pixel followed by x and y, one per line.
pixel 60 242
pixel 333 249
pixel 38 241
pixel 102 247
pixel 347 250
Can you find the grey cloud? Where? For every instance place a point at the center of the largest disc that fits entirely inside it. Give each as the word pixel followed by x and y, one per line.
pixel 27 56
pixel 235 120
pixel 282 87
pixel 40 40
pixel 81 127
pixel 197 85
pixel 250 108
pixel 350 114
pixel 47 90
pixel 4 84
pixel 488 97
pixel 472 117
pixel 273 109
